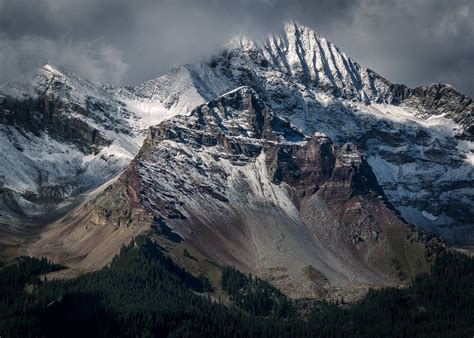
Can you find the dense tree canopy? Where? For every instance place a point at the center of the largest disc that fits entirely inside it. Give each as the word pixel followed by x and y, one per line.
pixel 143 293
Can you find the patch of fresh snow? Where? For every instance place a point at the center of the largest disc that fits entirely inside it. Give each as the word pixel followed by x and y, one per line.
pixel 431 217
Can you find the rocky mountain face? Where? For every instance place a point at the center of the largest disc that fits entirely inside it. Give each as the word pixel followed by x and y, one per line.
pixel 418 141
pixel 60 136
pixel 283 157
pixel 256 192
pixel 246 188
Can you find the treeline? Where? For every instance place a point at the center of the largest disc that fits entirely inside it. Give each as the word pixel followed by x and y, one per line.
pixel 437 305
pixel 254 295
pixel 143 293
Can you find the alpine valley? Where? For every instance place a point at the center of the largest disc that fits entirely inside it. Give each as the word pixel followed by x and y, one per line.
pixel 281 157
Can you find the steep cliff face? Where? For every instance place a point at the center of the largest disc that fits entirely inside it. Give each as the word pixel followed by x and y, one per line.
pixel 246 188
pixel 441 99
pixel 418 141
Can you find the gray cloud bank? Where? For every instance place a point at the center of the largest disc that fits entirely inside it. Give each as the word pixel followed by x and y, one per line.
pixel 125 42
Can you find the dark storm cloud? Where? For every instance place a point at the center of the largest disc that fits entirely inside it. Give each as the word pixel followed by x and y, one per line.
pixel 410 41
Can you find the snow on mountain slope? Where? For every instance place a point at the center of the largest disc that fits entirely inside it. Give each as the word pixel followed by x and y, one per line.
pixel 60 135
pixel 418 140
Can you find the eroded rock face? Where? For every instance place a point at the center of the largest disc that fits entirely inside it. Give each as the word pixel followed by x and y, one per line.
pixel 246 188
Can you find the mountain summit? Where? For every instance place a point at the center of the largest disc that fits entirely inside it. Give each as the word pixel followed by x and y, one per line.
pixel 310 59
pixel 283 157
pixel 407 134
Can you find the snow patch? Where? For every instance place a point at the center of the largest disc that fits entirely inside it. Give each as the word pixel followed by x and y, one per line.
pixel 431 217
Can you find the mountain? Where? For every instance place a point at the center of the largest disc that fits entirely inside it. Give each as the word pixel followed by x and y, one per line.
pixel 60 136
pixel 282 157
pixel 418 141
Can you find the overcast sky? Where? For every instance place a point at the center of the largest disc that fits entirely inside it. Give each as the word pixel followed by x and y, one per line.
pixel 124 42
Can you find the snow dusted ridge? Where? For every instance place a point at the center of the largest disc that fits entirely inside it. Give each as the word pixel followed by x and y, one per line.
pixel 419 141
pixel 61 135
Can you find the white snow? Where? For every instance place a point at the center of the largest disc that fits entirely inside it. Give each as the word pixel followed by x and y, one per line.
pixel 52 70
pixel 45 162
pixel 431 217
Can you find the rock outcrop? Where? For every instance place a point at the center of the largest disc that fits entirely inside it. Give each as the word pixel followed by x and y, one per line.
pixel 246 188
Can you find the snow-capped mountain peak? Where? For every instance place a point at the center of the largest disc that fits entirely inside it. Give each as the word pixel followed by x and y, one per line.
pixel 407 134
pixel 312 60
pixel 284 153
